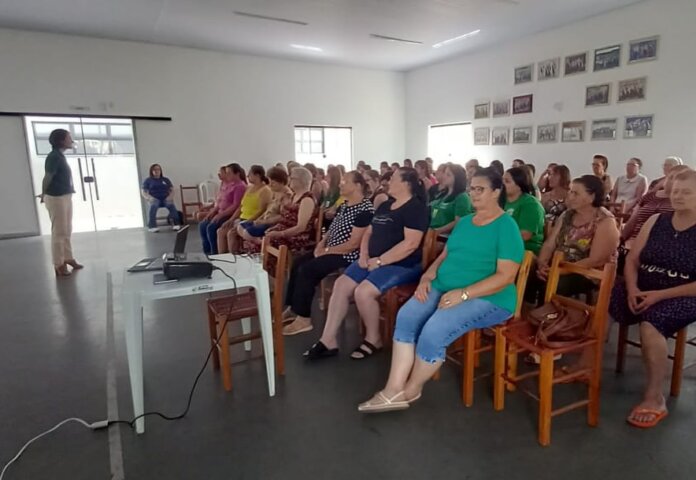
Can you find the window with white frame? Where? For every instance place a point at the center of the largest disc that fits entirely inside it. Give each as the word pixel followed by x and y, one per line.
pixel 309 140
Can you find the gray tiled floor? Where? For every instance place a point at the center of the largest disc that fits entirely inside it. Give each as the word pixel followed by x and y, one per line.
pixel 54 366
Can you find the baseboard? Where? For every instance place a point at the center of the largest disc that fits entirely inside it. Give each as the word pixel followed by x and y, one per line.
pixel 7 236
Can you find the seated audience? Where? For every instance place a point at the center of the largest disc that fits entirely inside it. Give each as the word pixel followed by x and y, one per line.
pixel 659 292
pixel 451 202
pixel 378 193
pixel 498 166
pixel 384 168
pixel 543 182
pixel 554 198
pixel 518 162
pixel 631 187
pixel 437 187
pixel 600 164
pixel 250 231
pixel 531 169
pixel 157 190
pixel 653 202
pixel 431 166
pixel 394 167
pixel 341 169
pixel 330 200
pixel 525 209
pixel 669 164
pixel 295 229
pixel 390 255
pixel 424 174
pixel 337 249
pixel 230 196
pixel 254 203
pixel 471 285
pixel 318 187
pixel 408 163
pixel 292 164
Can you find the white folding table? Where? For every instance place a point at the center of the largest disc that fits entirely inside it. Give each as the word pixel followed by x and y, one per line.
pixel 139 291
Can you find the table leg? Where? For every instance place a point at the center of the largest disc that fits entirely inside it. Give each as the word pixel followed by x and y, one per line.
pixel 263 301
pixel 246 330
pixel 133 317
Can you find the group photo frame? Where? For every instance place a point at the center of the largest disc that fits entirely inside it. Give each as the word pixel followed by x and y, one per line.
pixel 522 104
pixel 643 49
pixel 547 133
pixel 607 58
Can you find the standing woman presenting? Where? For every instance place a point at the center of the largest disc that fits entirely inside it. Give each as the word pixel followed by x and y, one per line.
pixel 56 192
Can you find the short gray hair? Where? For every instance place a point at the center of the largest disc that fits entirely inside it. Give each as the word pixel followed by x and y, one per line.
pixel 674 161
pixel 303 175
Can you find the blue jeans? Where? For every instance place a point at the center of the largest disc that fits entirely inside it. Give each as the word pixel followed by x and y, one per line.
pixel 156 204
pixel 433 329
pixel 386 277
pixel 208 230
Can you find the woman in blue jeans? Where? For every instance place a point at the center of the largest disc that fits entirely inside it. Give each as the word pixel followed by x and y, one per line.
pixel 471 285
pixel 157 190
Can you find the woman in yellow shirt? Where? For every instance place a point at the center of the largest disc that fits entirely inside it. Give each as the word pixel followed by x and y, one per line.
pixel 254 203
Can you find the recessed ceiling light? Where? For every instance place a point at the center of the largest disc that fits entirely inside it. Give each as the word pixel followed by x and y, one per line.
pixel 460 37
pixel 308 48
pixel 395 39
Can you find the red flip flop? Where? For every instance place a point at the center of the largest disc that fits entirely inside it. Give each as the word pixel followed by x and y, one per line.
pixel 658 415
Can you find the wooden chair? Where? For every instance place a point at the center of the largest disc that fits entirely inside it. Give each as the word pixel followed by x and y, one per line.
pixel 618 209
pixel 242 306
pixel 681 341
pixel 190 208
pixel 467 350
pixel 518 337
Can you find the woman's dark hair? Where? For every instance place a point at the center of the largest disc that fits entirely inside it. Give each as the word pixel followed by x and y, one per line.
pixel 522 178
pixel 638 161
pixel 564 173
pixel 238 170
pixel 532 169
pixel 373 174
pixel 278 174
pixel 408 163
pixel 152 167
pixel 410 175
pixel 259 171
pixel 334 174
pixel 359 179
pixel 321 172
pixel 57 137
pixel 424 165
pixel 460 181
pixel 594 186
pixel 519 160
pixel 387 176
pixel 495 180
pixel 603 159
pixel 341 169
pixel 396 164
pixel 312 169
pixel 498 166
pixel 383 165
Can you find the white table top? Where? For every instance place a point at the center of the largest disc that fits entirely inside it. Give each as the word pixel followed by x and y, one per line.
pixel 243 270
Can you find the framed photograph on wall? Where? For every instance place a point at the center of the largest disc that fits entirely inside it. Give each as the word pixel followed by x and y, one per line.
pixel 597 95
pixel 550 68
pixel 607 57
pixel 643 49
pixel 573 132
pixel 482 110
pixel 547 133
pixel 501 136
pixel 522 104
pixel 604 129
pixel 482 136
pixel 501 108
pixel 575 64
pixel 632 90
pixel 524 74
pixel 638 126
pixel 522 134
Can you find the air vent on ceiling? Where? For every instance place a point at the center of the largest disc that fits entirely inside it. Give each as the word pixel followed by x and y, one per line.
pixel 395 39
pixel 272 19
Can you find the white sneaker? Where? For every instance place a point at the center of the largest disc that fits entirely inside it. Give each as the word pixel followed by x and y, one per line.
pixel 176 228
pixel 153 230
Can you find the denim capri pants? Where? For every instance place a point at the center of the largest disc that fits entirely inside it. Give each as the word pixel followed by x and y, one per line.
pixel 384 277
pixel 433 329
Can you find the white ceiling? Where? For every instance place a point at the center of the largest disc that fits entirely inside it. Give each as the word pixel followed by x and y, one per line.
pixel 341 28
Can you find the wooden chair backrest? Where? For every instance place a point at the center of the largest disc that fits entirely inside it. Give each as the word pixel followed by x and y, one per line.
pixel 521 282
pixel 319 225
pixel 277 271
pixel 429 248
pixel 617 208
pixel 598 311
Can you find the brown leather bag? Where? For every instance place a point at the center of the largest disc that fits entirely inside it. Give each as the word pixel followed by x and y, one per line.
pixel 559 326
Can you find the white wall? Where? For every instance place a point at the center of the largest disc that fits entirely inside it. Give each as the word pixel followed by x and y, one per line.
pixel 447 92
pixel 225 107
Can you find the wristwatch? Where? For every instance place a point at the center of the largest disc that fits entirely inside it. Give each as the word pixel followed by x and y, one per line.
pixel 465 296
pixel 326 249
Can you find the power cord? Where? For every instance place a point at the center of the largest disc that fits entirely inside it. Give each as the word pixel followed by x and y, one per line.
pixel 227 275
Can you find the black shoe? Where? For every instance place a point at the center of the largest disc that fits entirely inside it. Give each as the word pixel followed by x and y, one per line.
pixel 319 351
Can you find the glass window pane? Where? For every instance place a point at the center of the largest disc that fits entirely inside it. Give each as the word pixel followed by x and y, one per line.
pixel 121 131
pixel 317 134
pixel 43 147
pixel 317 147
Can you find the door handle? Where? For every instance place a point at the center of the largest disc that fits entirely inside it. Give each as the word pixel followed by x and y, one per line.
pixel 94 178
pixel 82 180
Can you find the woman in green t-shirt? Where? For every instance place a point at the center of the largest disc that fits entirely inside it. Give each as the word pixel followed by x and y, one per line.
pixel 451 202
pixel 471 285
pixel 525 209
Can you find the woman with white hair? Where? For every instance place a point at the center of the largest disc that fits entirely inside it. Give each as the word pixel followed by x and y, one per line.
pixel 296 226
pixel 669 164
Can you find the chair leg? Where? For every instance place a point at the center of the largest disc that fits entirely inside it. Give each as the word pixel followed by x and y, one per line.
pixel 499 353
pixel 678 363
pixel 545 397
pixel 477 346
pixel 593 388
pixel 246 330
pixel 468 365
pixel 279 343
pixel 212 329
pixel 621 348
pixel 512 357
pixel 225 361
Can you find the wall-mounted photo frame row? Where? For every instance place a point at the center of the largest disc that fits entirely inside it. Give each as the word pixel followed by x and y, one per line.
pixel 501 108
pixel 605 58
pixel 635 126
pixel 631 90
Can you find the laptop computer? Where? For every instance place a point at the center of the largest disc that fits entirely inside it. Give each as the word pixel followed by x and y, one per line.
pixel 155 264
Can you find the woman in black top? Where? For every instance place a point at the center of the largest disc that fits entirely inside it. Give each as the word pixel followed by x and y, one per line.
pixel 337 249
pixel 390 255
pixel 56 193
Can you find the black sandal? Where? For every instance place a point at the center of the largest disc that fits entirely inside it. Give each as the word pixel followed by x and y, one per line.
pixel 319 351
pixel 366 349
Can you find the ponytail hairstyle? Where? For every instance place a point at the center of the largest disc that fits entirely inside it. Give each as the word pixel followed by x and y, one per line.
pixel 359 179
pixel 238 170
pixel 410 175
pixel 259 171
pixel 495 180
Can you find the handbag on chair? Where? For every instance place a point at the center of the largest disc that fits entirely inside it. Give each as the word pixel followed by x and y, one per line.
pixel 559 326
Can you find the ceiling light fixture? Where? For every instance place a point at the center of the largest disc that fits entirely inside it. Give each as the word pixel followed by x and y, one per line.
pixel 309 48
pixel 269 18
pixel 455 39
pixel 394 39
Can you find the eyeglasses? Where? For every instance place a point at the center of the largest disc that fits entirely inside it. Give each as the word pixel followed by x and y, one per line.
pixel 478 190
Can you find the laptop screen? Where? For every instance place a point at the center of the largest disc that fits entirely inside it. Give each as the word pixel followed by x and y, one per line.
pixel 180 242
